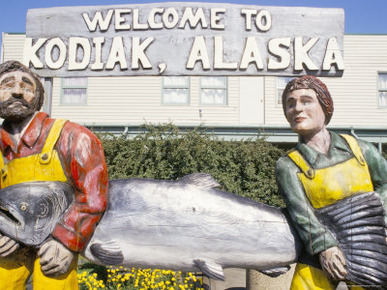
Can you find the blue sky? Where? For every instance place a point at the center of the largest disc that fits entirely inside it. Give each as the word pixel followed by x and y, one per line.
pixel 361 17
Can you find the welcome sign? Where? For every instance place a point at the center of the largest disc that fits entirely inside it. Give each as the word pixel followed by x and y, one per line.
pixel 184 39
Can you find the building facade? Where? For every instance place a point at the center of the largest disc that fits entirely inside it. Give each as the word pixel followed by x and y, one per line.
pixel 232 107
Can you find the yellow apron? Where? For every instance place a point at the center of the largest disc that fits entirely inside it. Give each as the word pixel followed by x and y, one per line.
pixel 326 186
pixel 45 166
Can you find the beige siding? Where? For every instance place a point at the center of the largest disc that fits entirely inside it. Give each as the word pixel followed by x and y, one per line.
pixel 136 100
pixel 273 111
pixel 12 46
pixel 355 94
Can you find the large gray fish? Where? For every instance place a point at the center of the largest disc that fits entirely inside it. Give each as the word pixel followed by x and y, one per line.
pixel 186 225
pixel 30 211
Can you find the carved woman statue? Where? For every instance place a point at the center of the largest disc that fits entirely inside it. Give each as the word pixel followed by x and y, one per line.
pixel 335 188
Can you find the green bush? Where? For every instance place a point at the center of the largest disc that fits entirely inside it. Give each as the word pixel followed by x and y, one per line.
pixel 245 168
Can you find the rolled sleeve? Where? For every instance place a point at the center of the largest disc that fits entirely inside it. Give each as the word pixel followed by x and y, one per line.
pixel 84 163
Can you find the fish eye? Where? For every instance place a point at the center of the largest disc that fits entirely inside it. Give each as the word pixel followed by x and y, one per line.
pixel 24 206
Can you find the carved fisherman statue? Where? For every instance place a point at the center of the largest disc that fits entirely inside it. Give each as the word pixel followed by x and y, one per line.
pixel 335 188
pixel 35 147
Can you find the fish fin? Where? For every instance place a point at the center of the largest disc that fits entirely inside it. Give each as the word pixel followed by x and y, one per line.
pixel 210 269
pixel 275 272
pixel 109 253
pixel 203 180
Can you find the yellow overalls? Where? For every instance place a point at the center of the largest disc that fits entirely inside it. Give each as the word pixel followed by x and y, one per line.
pixel 324 187
pixel 45 166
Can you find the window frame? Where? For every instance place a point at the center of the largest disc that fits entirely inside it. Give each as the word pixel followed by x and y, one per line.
pixel 225 88
pixel 278 96
pixel 183 87
pixel 63 87
pixel 381 89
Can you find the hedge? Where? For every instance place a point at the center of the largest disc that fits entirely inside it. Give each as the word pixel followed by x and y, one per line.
pixel 245 168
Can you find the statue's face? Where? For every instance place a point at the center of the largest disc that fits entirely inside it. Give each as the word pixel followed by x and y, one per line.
pixel 17 96
pixel 304 113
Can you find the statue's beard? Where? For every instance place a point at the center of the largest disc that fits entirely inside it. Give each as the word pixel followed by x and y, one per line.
pixel 18 112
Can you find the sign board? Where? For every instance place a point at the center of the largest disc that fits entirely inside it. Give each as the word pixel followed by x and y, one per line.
pixel 184 39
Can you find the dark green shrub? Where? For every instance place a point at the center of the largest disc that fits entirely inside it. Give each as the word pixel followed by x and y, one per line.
pixel 244 167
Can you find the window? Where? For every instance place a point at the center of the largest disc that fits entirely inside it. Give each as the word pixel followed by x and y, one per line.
pixel 213 90
pixel 176 90
pixel 281 84
pixel 74 91
pixel 382 88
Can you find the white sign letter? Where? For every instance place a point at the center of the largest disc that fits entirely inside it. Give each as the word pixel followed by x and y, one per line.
pixel 218 56
pixel 198 53
pixel 170 18
pixel 263 20
pixel 136 21
pixel 61 49
pixel 215 18
pixel 74 44
pixel 98 65
pixel 98 21
pixel 152 18
pixel 193 20
pixel 301 54
pixel 30 52
pixel 138 52
pixel 117 54
pixel 119 22
pixel 333 55
pixel 277 47
pixel 248 13
pixel 251 54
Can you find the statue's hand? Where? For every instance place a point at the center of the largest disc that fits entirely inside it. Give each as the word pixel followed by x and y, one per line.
pixel 7 246
pixel 333 263
pixel 55 258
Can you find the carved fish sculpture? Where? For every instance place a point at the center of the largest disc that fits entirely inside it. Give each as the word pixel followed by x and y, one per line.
pixel 186 225
pixel 30 211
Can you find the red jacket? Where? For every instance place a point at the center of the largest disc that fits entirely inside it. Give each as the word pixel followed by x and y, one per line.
pixel 83 162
